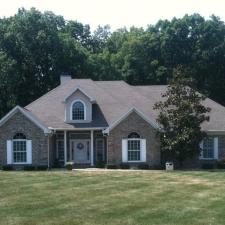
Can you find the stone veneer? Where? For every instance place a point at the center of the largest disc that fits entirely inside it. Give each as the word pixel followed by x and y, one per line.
pixel 18 123
pixel 133 123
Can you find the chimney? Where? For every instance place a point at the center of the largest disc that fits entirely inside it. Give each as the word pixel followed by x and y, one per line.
pixel 65 78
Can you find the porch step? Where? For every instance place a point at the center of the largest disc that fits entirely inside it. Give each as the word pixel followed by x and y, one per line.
pixel 81 166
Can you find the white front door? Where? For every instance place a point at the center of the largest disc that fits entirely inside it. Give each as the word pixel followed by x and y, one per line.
pixel 80 151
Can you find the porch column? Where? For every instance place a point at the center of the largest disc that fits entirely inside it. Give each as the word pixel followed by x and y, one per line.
pixel 65 147
pixel 92 148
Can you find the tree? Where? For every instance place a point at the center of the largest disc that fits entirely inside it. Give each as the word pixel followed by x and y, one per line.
pixel 180 118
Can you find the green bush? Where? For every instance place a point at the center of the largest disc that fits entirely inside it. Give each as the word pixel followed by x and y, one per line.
pixel 42 167
pixel 159 167
pixel 124 166
pixel 7 167
pixel 143 166
pixel 221 164
pixel 29 168
pixel 208 166
pixel 100 164
pixel 69 165
pixel 111 166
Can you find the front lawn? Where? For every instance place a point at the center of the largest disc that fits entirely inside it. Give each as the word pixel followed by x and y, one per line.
pixel 97 198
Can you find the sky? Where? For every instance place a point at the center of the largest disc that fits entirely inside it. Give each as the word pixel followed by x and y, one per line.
pixel 118 13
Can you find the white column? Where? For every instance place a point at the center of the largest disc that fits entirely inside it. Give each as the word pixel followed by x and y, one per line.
pixel 92 148
pixel 65 147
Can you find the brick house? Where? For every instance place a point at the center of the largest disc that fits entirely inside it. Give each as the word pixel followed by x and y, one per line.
pixel 88 122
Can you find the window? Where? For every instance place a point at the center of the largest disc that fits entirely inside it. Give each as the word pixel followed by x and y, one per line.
pixel 133 135
pixel 99 149
pixel 209 148
pixel 134 147
pixel 60 150
pixel 19 148
pixel 78 110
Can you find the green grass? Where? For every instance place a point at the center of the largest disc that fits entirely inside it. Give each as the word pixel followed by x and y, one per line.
pixel 97 198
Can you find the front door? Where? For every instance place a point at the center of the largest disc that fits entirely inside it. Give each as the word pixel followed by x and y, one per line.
pixel 80 151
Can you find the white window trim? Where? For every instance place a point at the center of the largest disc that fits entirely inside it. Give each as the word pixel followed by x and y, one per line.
pixel 215 150
pixel 71 110
pixel 18 163
pixel 103 150
pixel 57 149
pixel 134 139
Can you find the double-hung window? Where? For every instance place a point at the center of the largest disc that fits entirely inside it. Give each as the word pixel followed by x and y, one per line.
pixel 19 150
pixel 209 148
pixel 134 148
pixel 60 149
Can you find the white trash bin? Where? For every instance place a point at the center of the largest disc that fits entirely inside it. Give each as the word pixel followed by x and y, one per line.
pixel 169 166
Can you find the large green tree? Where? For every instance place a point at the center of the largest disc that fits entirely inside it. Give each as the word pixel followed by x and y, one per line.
pixel 181 114
pixel 37 47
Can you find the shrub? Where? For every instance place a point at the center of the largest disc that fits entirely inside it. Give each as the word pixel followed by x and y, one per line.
pixel 208 166
pixel 143 166
pixel 100 164
pixel 111 166
pixel 221 164
pixel 124 166
pixel 69 165
pixel 159 167
pixel 7 167
pixel 29 168
pixel 42 167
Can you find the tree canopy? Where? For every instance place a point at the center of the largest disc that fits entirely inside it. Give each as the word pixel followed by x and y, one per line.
pixel 181 114
pixel 35 48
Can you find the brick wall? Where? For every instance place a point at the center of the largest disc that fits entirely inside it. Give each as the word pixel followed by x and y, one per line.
pixel 133 123
pixel 20 124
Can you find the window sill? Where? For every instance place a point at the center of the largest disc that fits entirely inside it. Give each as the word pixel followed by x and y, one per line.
pixel 77 121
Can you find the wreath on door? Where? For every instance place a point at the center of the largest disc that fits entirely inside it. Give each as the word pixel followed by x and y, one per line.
pixel 80 146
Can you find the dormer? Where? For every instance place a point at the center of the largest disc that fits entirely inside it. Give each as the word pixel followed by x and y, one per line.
pixel 78 107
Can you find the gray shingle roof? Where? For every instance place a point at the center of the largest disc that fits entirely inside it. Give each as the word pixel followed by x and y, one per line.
pixel 113 100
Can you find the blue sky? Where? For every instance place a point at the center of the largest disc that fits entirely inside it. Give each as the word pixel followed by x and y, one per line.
pixel 118 13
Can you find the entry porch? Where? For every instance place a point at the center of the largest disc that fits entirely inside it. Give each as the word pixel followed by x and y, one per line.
pixel 85 148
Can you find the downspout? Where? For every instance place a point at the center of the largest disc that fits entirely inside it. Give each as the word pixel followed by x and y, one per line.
pixel 105 133
pixel 48 155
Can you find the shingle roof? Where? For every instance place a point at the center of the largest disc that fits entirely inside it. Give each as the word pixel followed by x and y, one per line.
pixel 113 100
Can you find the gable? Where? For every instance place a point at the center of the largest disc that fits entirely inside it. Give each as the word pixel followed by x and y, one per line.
pixel 78 91
pixel 127 115
pixel 78 95
pixel 26 114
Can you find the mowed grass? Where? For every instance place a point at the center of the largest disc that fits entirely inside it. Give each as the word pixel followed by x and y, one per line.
pixel 96 198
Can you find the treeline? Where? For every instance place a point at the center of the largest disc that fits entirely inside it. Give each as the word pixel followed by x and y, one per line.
pixel 35 48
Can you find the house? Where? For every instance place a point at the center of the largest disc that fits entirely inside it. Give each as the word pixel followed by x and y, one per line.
pixel 88 122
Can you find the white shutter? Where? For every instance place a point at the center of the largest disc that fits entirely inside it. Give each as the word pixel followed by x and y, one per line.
pixel 29 151
pixel 143 150
pixel 9 152
pixel 124 150
pixel 201 150
pixel 216 148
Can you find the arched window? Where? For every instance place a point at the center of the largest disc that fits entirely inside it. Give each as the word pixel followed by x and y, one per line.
pixel 19 148
pixel 78 110
pixel 133 135
pixel 19 136
pixel 134 147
